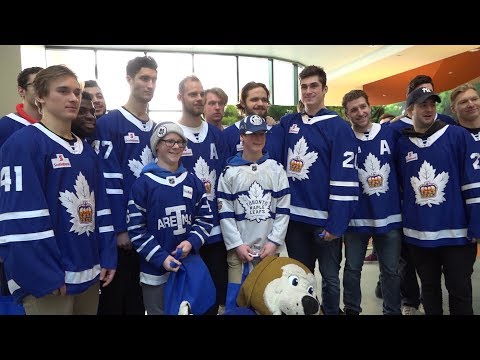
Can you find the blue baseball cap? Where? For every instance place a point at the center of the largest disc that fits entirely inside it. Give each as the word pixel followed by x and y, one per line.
pixel 252 124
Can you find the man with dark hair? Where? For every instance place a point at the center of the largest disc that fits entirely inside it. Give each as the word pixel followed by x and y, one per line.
pixel 409 288
pixel 84 124
pixel 378 215
pixel 91 86
pixel 27 112
pixel 319 150
pixel 254 100
pixel 124 145
pixel 438 170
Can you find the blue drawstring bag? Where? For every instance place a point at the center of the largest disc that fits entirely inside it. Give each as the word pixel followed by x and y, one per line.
pixel 8 306
pixel 193 283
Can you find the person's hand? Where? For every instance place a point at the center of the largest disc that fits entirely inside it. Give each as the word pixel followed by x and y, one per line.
pixel 106 275
pixel 186 247
pixel 243 251
pixel 169 261
pixel 269 248
pixel 123 241
pixel 61 291
pixel 270 121
pixel 329 236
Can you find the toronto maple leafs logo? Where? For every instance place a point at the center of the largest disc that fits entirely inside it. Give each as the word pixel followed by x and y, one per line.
pixel 145 158
pixel 202 171
pixel 80 205
pixel 257 204
pixel 428 187
pixel 374 178
pixel 299 160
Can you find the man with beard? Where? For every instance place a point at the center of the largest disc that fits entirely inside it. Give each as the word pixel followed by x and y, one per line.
pixel 254 100
pixel 91 86
pixel 124 146
pixel 205 156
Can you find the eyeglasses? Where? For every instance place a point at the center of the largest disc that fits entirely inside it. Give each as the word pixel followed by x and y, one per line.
pixel 170 143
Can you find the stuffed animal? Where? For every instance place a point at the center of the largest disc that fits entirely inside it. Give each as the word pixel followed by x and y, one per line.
pixel 278 286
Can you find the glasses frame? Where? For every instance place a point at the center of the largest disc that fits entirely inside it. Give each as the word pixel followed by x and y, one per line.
pixel 170 143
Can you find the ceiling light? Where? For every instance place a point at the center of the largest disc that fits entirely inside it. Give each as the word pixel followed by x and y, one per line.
pixel 450 72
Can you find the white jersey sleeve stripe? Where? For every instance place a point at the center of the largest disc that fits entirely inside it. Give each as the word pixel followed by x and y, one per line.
pixel 343 198
pixel 113 175
pixel 24 214
pixel 319 214
pixel 470 186
pixel 26 237
pixel 344 183
pixel 114 191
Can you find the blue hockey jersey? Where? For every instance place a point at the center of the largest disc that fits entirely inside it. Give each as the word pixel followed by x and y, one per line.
pixel 164 209
pixel 205 156
pixel 55 225
pixel 378 209
pixel 440 177
pixel 319 157
pixel 9 124
pixel 124 146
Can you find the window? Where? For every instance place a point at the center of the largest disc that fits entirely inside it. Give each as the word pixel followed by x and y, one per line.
pixel 81 62
pixel 217 71
pixel 283 82
pixel 172 68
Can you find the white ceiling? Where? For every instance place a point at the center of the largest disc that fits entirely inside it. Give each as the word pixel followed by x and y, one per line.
pixel 347 66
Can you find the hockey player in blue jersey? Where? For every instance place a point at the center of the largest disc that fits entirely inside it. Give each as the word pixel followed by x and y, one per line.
pixel 84 124
pixel 409 288
pixel 167 210
pixel 26 112
pixel 438 167
pixel 205 156
pixel 253 201
pixel 57 232
pixel 378 214
pixel 319 157
pixel 123 144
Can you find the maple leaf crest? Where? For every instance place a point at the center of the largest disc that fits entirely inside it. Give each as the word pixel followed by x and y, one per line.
pixel 80 205
pixel 145 158
pixel 202 171
pixel 429 189
pixel 256 204
pixel 374 178
pixel 299 160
